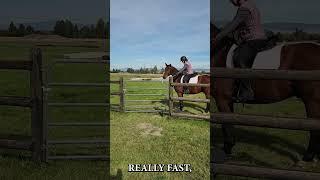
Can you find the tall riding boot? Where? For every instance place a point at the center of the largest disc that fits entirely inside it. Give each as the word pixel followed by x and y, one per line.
pixel 186 88
pixel 245 91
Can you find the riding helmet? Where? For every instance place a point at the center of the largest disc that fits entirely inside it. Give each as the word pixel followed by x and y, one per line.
pixel 183 59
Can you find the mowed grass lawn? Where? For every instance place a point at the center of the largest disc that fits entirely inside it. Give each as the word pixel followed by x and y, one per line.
pixel 263 147
pixel 15 121
pixel 141 138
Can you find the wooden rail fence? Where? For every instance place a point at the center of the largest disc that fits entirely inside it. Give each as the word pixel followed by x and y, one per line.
pixel 52 123
pixel 35 102
pixel 139 105
pixel 263 121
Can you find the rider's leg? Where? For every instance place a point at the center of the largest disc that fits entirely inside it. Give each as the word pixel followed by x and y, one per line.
pixel 186 80
pixel 243 58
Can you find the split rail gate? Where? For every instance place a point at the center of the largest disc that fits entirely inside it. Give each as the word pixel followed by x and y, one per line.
pixel 263 121
pixel 125 92
pixel 133 99
pixel 48 85
pixel 34 144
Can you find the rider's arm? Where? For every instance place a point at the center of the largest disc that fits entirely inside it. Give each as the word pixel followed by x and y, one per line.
pixel 241 16
pixel 183 69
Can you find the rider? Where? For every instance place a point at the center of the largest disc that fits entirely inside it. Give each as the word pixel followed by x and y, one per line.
pixel 250 37
pixel 186 71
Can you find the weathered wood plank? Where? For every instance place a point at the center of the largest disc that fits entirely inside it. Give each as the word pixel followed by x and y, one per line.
pixel 16 64
pixel 15 101
pixel 257 172
pixel 265 74
pixel 190 99
pixel 266 121
pixel 15 144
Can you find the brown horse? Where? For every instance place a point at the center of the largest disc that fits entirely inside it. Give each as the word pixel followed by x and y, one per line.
pixel 202 79
pixel 297 56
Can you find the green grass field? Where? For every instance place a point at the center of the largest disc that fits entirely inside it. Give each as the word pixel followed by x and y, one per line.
pixel 141 138
pixel 135 137
pixel 16 121
pixel 263 147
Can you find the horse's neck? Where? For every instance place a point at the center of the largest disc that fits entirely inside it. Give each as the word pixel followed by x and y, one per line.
pixel 220 57
pixel 178 77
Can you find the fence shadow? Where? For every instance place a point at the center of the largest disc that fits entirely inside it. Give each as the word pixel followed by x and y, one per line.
pixel 266 141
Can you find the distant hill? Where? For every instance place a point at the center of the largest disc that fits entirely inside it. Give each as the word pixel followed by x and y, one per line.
pixel 284 26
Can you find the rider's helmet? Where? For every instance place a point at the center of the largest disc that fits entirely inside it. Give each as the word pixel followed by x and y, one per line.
pixel 183 59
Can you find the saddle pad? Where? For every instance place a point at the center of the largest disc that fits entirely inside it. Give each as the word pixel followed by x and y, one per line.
pixel 193 80
pixel 269 59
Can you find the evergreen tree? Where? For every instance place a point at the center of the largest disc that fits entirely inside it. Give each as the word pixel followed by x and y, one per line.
pixel 12 29
pixel 68 29
pixel 21 31
pixel 92 33
pixel 76 31
pixel 29 30
pixel 84 32
pixel 101 29
pixel 59 28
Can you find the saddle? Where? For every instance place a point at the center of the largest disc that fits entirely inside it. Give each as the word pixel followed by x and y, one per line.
pixel 187 77
pixel 271 42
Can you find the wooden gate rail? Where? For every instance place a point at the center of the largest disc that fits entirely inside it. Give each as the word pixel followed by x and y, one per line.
pixel 172 99
pixel 35 102
pixel 48 85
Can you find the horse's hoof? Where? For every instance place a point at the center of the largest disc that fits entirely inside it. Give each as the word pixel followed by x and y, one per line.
pixel 308 156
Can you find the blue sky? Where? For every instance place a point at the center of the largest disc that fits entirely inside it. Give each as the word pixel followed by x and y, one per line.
pixel 145 33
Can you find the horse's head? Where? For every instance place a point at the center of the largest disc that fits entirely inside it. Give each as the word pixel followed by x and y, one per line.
pixel 169 70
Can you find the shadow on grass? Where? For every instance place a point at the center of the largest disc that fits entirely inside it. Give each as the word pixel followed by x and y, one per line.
pixel 118 176
pixel 266 141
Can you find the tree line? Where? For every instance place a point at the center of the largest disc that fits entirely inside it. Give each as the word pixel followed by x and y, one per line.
pixel 68 29
pixel 63 28
pixel 153 70
pixel 17 31
pixel 298 35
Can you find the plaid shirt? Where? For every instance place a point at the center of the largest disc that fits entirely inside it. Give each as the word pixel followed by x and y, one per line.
pixel 251 28
pixel 246 25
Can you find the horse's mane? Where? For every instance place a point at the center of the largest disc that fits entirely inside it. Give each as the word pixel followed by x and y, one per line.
pixel 219 51
pixel 225 42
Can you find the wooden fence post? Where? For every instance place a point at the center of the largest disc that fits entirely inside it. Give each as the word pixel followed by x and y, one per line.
pixel 122 95
pixel 37 105
pixel 170 100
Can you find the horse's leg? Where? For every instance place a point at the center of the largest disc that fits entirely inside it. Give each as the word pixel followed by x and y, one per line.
pixel 227 130
pixel 180 94
pixel 208 104
pixel 312 111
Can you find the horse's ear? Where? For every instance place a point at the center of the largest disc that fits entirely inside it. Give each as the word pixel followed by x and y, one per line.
pixel 170 65
pixel 166 64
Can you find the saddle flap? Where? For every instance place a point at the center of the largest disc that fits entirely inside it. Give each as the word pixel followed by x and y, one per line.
pixel 193 78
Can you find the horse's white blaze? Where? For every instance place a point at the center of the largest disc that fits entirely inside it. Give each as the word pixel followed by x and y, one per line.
pixel 269 59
